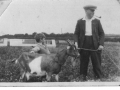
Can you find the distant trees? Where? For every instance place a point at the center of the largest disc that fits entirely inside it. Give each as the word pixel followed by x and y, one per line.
pixel 34 34
pixel 64 36
pixel 118 1
pixel 112 39
pixel 31 36
pixel 26 34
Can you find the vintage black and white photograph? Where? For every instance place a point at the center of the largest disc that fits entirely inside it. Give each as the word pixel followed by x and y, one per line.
pixel 59 42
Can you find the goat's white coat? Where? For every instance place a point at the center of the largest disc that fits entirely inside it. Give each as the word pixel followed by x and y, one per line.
pixel 35 65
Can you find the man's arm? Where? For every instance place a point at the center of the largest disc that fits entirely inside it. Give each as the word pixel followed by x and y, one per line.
pixel 101 34
pixel 35 49
pixel 77 32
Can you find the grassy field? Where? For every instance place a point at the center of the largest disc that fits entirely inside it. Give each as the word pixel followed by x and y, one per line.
pixel 9 72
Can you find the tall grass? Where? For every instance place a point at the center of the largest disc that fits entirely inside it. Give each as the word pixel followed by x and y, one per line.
pixel 9 72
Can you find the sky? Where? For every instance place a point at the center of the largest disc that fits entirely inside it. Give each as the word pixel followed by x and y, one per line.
pixel 54 16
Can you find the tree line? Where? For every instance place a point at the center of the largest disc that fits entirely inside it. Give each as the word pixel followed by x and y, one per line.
pixel 31 36
pixel 108 38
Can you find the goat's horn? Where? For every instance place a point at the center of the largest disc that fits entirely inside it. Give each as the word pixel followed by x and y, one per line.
pixel 68 41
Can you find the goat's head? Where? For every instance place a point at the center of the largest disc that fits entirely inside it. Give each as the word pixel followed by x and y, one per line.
pixel 72 50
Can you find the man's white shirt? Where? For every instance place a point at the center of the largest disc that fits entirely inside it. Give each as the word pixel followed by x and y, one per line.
pixel 88 26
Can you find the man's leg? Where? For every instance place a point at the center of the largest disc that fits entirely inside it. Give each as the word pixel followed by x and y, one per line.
pixel 96 62
pixel 84 61
pixel 100 57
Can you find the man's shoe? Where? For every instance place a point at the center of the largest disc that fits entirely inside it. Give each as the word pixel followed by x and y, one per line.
pixel 98 79
pixel 83 78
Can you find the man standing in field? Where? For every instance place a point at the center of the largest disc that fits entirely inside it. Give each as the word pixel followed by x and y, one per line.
pixel 90 37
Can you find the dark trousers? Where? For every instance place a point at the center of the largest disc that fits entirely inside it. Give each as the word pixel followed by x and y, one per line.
pixel 86 55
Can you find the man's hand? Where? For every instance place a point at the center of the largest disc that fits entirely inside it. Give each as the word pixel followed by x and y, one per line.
pixel 32 52
pixel 76 44
pixel 100 47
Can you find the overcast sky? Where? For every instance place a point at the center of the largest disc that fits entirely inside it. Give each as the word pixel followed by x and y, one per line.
pixel 28 16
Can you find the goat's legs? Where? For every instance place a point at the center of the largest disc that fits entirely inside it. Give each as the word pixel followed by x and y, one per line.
pixel 48 76
pixel 27 75
pixel 22 76
pixel 57 78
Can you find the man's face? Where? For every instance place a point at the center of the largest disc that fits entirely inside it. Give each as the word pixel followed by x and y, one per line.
pixel 42 40
pixel 89 13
